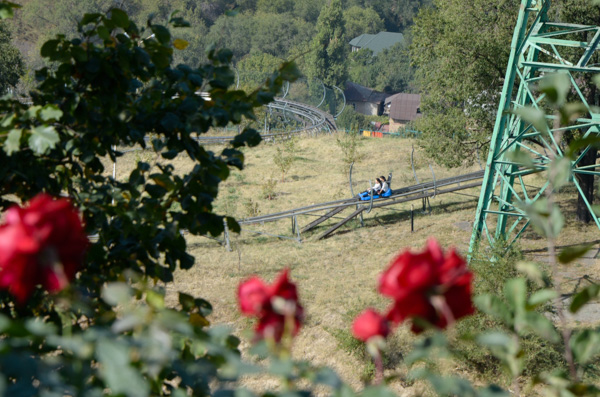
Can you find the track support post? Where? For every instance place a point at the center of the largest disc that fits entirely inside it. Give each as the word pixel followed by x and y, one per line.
pixel 226 240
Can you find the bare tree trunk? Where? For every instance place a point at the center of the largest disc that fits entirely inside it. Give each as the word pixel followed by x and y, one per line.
pixel 587 186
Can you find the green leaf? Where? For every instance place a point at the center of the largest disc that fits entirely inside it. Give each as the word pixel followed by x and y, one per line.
pixel 377 391
pixel 203 306
pixel 117 371
pixel 515 291
pixel 8 119
pixel 289 71
pixel 556 86
pixel 534 116
pixel 505 348
pixel 103 33
pixel 569 112
pixel 162 34
pixel 50 112
pixel 117 294
pixel 493 391
pixel 585 345
pixel 327 376
pixel 584 296
pixel 90 18
pixel 13 142
pixel 451 386
pixel 6 9
pixel 548 221
pixel 40 328
pixel 541 326
pixel 495 339
pixel 559 172
pixel 163 181
pixel 180 44
pixel 48 49
pixel 155 299
pixel 569 254
pixel 495 307
pixel 119 18
pixel 532 271
pixel 521 158
pixel 178 22
pixel 576 145
pixel 43 138
pixel 249 136
pixel 540 297
pixel 186 301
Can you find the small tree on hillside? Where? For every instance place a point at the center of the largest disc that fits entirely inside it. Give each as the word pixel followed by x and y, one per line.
pixel 283 159
pixel 349 144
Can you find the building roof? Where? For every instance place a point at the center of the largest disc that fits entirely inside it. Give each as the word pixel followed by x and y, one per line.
pixel 404 106
pixel 377 42
pixel 359 93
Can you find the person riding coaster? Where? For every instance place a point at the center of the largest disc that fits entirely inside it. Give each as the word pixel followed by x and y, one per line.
pixel 380 190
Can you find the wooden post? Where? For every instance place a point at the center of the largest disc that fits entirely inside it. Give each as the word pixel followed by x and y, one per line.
pixel 412 218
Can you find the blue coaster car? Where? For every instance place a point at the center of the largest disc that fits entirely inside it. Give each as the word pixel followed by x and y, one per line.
pixel 366 196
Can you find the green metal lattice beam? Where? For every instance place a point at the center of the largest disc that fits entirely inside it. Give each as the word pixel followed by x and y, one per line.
pixel 536 49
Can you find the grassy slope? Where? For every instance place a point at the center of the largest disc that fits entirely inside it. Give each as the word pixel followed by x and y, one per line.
pixel 337 276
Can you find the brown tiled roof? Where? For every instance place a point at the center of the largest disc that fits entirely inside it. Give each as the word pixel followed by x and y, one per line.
pixel 404 106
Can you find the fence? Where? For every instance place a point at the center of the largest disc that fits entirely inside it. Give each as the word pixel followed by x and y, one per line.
pixel 403 133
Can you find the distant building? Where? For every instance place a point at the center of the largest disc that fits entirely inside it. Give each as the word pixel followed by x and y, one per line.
pixel 364 100
pixel 376 42
pixel 402 109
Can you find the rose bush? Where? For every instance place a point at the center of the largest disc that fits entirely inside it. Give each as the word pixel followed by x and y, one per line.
pixel 43 244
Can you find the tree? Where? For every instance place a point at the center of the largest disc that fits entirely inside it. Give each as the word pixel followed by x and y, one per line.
pixel 254 68
pixel 12 66
pixel 460 51
pixel 109 88
pixel 389 71
pixel 274 6
pixel 276 34
pixel 327 60
pixel 361 20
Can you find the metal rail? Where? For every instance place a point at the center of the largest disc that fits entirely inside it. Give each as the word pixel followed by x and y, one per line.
pixel 314 119
pixel 398 194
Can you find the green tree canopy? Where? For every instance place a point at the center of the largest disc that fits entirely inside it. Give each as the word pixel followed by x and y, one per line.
pixel 361 20
pixel 12 66
pixel 389 71
pixel 255 68
pixel 460 50
pixel 329 48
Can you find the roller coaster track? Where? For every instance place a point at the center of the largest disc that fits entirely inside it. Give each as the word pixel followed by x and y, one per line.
pixel 401 195
pixel 312 118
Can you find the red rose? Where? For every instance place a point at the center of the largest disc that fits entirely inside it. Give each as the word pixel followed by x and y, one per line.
pixel 276 306
pixel 252 296
pixel 411 272
pixel 429 285
pixel 369 324
pixel 43 243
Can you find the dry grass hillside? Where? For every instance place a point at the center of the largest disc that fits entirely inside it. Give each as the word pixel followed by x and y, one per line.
pixel 337 276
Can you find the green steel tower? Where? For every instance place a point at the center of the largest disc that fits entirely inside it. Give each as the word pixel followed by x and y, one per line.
pixel 539 47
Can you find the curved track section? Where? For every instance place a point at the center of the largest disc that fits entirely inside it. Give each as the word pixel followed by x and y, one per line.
pixel 313 120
